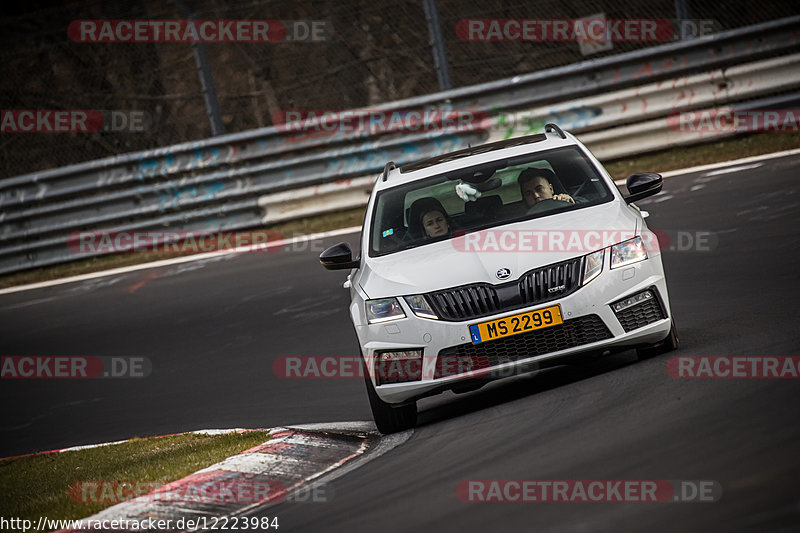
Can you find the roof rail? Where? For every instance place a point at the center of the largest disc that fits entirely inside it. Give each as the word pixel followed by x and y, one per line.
pixel 387 168
pixel 553 128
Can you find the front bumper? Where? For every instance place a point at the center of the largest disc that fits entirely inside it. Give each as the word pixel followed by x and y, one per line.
pixel 590 324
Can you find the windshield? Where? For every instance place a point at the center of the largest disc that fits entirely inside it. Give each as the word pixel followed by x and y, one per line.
pixel 525 187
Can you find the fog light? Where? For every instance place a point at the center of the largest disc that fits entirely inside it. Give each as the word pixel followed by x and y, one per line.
pixel 631 301
pixel 400 356
pixel 398 366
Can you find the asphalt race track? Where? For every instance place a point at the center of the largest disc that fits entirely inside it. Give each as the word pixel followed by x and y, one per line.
pixel 212 329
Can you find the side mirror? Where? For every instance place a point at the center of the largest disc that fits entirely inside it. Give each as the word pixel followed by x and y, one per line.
pixel 338 257
pixel 642 185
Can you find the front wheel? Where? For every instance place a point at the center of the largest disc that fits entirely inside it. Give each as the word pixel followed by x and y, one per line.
pixel 389 418
pixel 667 345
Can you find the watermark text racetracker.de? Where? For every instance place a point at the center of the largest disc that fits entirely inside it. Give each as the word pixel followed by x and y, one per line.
pixel 206 31
pixel 390 366
pixel 738 121
pixel 321 122
pixel 593 28
pixel 75 121
pixel 580 240
pixel 73 367
pixel 253 490
pixel 588 491
pixel 734 367
pixel 189 242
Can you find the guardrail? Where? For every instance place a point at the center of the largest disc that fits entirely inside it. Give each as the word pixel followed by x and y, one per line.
pixel 269 175
pixel 637 120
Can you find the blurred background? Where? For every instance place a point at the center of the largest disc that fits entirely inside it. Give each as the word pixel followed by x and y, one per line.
pixel 375 51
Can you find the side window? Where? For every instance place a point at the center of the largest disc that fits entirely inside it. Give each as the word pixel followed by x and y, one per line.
pixel 389 228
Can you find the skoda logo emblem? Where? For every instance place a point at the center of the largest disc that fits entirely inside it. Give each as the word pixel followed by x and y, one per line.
pixel 503 273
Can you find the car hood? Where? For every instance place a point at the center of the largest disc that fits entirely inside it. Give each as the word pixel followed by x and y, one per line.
pixel 519 247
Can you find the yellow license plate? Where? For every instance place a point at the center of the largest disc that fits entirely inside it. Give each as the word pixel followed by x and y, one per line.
pixel 516 324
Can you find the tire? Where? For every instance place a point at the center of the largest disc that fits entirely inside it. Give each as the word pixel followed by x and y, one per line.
pixel 667 345
pixel 390 418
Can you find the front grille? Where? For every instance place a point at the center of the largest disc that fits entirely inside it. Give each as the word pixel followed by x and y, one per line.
pixel 640 314
pixel 532 288
pixel 551 282
pixel 571 333
pixel 465 302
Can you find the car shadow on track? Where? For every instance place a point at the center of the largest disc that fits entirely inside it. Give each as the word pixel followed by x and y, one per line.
pixel 505 390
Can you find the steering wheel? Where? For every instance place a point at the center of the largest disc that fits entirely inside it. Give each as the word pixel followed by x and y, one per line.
pixel 548 204
pixel 579 189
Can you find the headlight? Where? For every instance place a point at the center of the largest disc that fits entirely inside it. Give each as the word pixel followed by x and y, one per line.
pixel 384 310
pixel 630 251
pixel 420 306
pixel 593 265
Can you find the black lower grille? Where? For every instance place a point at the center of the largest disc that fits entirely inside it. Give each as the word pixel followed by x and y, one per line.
pixel 641 314
pixel 574 332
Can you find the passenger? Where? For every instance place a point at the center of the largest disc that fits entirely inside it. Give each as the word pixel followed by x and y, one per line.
pixel 435 223
pixel 428 219
pixel 535 186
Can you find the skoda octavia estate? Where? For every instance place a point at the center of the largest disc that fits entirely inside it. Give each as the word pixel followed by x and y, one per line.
pixel 497 260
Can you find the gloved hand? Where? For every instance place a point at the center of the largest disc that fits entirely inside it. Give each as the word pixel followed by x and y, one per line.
pixel 467 192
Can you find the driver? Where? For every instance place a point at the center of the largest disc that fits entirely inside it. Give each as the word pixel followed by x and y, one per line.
pixel 535 186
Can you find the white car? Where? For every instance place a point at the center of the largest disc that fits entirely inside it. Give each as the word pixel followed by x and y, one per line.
pixel 495 260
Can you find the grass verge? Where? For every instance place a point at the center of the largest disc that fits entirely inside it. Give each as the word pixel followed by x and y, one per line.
pixel 39 485
pixel 671 159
